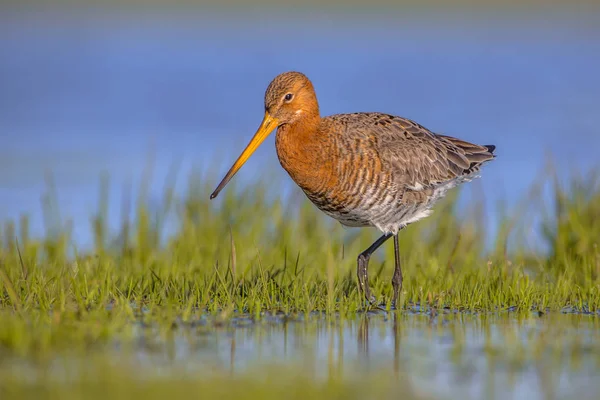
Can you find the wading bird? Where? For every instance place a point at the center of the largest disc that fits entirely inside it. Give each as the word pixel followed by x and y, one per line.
pixel 363 169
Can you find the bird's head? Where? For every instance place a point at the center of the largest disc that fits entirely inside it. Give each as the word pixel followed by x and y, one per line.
pixel 289 98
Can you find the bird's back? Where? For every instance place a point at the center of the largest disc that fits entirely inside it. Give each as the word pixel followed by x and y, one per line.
pixel 391 170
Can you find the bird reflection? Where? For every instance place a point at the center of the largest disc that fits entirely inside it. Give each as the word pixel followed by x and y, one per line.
pixel 363 339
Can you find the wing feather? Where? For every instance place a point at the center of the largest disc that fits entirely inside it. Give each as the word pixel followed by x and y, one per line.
pixel 416 156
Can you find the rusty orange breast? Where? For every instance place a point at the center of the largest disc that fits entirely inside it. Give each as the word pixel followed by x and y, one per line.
pixel 309 156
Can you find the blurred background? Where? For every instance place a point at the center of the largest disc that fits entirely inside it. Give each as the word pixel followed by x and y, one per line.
pixel 149 90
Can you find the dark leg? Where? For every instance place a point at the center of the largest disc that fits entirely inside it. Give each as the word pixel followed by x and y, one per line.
pixel 363 264
pixel 397 278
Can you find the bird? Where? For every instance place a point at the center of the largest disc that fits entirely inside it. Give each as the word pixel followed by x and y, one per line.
pixel 364 169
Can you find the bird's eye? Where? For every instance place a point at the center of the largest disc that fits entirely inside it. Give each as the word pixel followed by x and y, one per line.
pixel 289 97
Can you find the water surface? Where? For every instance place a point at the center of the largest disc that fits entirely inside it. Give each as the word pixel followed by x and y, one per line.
pixel 444 355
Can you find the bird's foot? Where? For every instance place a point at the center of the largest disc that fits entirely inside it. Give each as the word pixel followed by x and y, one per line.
pixel 372 304
pixel 383 306
pixel 371 300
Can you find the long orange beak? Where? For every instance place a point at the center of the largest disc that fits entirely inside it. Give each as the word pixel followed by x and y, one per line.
pixel 266 127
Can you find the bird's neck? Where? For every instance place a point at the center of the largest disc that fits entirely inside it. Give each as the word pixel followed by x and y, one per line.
pixel 306 152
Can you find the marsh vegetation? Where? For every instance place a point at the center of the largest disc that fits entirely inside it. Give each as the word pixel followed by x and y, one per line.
pixel 276 277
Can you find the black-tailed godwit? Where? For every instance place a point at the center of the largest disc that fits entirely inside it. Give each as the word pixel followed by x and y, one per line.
pixel 363 169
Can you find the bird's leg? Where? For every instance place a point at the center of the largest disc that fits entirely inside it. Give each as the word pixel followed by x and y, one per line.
pixel 397 278
pixel 363 264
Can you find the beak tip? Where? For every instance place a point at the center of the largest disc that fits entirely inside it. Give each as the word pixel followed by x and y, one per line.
pixel 269 123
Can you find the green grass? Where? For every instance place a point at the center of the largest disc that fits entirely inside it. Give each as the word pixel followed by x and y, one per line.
pixel 249 254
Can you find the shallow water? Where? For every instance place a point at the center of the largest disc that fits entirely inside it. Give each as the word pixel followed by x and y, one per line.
pixel 463 356
pixel 445 355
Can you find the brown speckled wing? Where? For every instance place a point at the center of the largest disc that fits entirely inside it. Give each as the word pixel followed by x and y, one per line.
pixel 415 156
